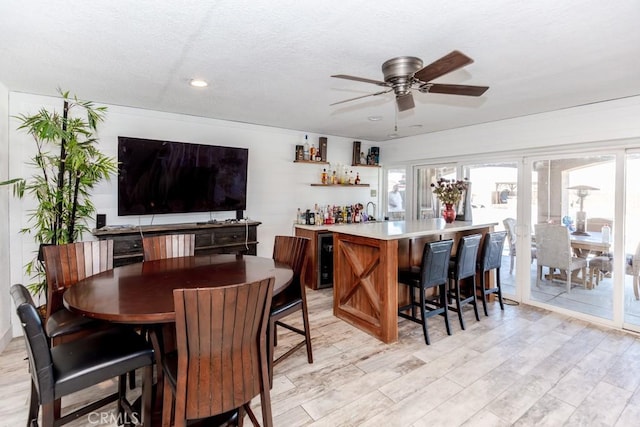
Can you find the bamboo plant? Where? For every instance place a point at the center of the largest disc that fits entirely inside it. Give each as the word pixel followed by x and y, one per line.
pixel 67 166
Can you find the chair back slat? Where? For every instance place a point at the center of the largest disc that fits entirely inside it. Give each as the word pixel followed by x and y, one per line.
pixel 65 265
pixel 40 361
pixel 291 250
pixel 221 341
pixel 168 246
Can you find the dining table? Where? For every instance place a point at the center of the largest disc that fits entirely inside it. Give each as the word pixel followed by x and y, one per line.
pixel 142 293
pixel 590 243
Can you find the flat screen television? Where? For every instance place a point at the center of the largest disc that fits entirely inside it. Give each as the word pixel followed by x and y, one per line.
pixel 161 177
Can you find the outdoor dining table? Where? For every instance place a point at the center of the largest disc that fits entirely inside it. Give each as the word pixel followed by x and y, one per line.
pixel 142 293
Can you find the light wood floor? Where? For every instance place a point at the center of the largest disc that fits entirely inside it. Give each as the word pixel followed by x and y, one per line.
pixel 523 366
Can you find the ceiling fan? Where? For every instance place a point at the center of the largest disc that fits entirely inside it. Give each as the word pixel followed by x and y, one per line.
pixel 406 73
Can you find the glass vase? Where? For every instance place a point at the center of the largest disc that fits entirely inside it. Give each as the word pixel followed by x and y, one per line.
pixel 449 213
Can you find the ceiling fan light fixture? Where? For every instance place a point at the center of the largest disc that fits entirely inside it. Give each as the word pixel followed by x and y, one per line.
pixel 404 74
pixel 198 83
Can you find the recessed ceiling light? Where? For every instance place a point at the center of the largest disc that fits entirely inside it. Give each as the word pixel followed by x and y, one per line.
pixel 392 135
pixel 198 83
pixel 415 126
pixel 374 118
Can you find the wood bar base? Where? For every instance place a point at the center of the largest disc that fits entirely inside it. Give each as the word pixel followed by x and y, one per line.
pixel 365 268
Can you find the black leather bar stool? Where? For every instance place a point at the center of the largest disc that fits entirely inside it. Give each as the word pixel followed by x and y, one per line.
pixel 491 259
pixel 431 273
pixel 464 267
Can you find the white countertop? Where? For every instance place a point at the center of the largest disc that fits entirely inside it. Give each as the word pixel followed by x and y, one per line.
pixel 393 230
pixel 313 227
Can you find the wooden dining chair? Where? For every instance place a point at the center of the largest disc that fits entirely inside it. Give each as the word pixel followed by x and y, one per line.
pixel 221 359
pixel 290 250
pixel 168 246
pixel 65 265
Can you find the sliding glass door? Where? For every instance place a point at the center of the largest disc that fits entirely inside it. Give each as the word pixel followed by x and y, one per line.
pixel 494 199
pixel 631 259
pixel 573 203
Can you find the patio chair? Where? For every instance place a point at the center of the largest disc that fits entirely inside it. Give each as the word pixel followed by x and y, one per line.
pixel 604 264
pixel 510 227
pixel 553 245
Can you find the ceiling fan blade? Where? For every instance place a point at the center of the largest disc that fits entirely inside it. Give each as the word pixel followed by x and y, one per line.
pixel 360 79
pixel 360 97
pixel 405 102
pixel 454 89
pixel 442 66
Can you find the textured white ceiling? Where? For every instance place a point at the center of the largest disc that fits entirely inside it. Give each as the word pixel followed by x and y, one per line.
pixel 269 62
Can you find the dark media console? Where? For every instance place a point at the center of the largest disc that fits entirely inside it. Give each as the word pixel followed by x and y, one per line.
pixel 230 236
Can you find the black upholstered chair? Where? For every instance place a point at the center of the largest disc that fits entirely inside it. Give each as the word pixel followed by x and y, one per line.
pixel 464 267
pixel 73 366
pixel 433 272
pixel 491 259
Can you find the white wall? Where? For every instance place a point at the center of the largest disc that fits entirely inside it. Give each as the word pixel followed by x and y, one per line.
pixel 605 121
pixel 5 192
pixel 277 187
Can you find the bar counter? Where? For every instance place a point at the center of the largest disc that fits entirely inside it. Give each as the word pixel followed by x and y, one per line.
pixel 366 258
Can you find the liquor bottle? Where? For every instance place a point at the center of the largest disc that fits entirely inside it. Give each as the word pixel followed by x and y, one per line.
pixel 299 217
pixel 305 148
pixel 312 153
pixel 334 178
pixel 350 182
pixel 324 177
pixel 357 178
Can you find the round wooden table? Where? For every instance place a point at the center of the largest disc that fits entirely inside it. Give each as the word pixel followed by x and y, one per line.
pixel 142 293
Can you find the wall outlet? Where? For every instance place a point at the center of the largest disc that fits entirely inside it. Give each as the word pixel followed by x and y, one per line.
pixel 374 193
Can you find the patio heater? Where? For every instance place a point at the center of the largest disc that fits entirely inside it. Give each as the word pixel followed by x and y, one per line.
pixel 582 191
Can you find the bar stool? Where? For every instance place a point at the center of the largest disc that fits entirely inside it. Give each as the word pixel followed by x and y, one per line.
pixel 491 259
pixel 431 273
pixel 464 267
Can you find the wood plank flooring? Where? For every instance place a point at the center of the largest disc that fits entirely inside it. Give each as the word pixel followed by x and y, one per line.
pixel 523 367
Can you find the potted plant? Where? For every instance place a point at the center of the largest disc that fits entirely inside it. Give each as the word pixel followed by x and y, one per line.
pixel 67 165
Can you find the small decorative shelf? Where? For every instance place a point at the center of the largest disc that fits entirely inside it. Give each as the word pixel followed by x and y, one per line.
pixel 339 185
pixel 367 166
pixel 311 161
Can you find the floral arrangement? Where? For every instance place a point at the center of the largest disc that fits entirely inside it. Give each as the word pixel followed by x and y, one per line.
pixel 449 191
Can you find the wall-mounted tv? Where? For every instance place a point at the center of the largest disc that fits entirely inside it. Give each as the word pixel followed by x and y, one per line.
pixel 159 177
